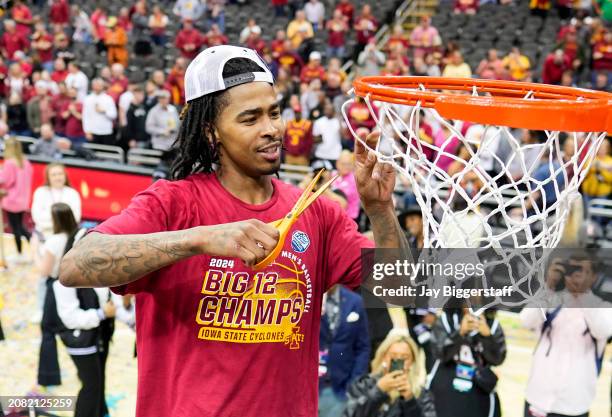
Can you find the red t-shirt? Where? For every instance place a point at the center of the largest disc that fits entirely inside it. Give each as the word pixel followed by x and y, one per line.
pixel 186 37
pixel 260 356
pixel 73 127
pixel 605 62
pixel 59 76
pixel 310 73
pixel 298 137
pixel 14 42
pixel 59 13
pixel 45 55
pixel 335 31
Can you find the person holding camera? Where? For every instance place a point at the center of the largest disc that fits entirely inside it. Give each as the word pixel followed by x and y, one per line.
pixel 466 345
pixel 573 332
pixel 393 388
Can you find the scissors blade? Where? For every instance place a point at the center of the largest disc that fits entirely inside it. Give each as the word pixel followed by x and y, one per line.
pixel 316 195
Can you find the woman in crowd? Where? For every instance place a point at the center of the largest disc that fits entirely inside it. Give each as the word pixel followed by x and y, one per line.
pixel 57 189
pixel 16 181
pixel 466 346
pixel 393 389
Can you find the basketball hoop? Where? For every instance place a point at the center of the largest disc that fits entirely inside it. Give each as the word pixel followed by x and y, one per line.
pixel 508 207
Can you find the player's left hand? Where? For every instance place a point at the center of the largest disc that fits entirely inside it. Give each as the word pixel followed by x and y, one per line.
pixel 375 181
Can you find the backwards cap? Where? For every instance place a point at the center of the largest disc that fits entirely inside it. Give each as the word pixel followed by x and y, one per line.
pixel 204 75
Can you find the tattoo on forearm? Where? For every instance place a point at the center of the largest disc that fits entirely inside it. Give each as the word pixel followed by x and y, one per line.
pixel 104 260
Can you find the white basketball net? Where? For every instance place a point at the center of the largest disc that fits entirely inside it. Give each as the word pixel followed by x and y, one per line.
pixel 509 208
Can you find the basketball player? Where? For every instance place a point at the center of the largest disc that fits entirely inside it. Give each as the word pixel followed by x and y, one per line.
pixel 216 337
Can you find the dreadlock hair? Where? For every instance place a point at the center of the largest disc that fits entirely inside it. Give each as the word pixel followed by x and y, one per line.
pixel 196 146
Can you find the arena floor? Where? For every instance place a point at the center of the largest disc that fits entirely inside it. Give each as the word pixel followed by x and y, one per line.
pixel 19 354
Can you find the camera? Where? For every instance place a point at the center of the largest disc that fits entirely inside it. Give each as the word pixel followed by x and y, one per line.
pixel 396 365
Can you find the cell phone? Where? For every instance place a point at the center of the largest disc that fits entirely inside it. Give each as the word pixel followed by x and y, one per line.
pixel 397 365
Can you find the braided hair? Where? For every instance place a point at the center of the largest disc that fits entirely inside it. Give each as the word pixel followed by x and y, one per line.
pixel 196 146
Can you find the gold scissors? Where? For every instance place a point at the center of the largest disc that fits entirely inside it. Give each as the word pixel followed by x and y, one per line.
pixel 284 225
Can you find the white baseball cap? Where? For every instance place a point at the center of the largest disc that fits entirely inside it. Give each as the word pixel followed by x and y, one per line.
pixel 204 75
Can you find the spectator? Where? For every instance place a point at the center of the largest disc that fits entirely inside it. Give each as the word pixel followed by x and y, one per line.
pixel 344 348
pixel 124 20
pixel 466 6
pixel 59 71
pixel 492 67
pixel 215 37
pixel 22 16
pixel 115 40
pixel 567 79
pixel 398 54
pixel 124 104
pixel 598 180
pixel 473 343
pixel 345 166
pixel 135 129
pixel 42 44
pixel 457 68
pixel 602 55
pixel 189 40
pixel 56 189
pixel 299 30
pixel 72 114
pixel 517 64
pixel 555 65
pixel 59 13
pixel 83 28
pixel 99 113
pixel 98 22
pixel 326 133
pixel 310 97
pixel 347 9
pixel 175 82
pixel 312 70
pixel 546 170
pixel 572 337
pixel 58 101
pixel 336 29
pixel 86 316
pixel 12 41
pixel 77 79
pixel 141 33
pixel 424 38
pixel 277 44
pixel 191 10
pixel 245 34
pixel 359 115
pixel 315 13
pixel 291 61
pixel 118 82
pixel 370 59
pixel 48 144
pixel 393 388
pixel 602 82
pixel 333 86
pixel 298 140
pixel 162 122
pixel 398 36
pixel 279 7
pixel 158 21
pixel 256 42
pixel 216 10
pixel 17 116
pixel 573 49
pixel 16 181
pixel 365 27
pixel 40 110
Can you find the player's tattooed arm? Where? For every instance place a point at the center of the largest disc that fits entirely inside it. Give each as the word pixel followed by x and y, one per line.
pixel 100 260
pixel 387 230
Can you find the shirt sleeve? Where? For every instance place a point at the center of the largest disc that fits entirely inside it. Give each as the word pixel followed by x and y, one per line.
pixel 342 249
pixel 146 213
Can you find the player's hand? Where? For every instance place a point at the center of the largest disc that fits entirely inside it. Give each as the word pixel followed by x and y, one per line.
pixel 249 240
pixel 390 381
pixel 375 181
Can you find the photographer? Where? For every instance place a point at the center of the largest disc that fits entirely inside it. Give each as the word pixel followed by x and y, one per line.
pixel 466 347
pixel 392 389
pixel 572 337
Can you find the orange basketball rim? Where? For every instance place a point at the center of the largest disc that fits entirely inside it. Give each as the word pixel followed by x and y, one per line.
pixel 492 102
